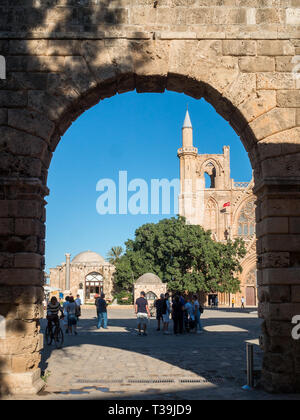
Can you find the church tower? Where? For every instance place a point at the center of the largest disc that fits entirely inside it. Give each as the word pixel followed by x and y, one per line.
pixel 191 188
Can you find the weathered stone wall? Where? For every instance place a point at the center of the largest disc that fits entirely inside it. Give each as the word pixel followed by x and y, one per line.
pixel 63 59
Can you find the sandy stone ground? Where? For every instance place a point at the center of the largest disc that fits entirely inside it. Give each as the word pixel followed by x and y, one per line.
pixel 118 364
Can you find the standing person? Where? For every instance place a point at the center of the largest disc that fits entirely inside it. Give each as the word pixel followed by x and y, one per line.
pixel 78 307
pixel 243 303
pixel 166 313
pixel 72 319
pixel 142 312
pixel 233 302
pixel 159 307
pixel 198 309
pixel 102 312
pixel 65 305
pixel 177 315
pixel 217 302
pixel 191 316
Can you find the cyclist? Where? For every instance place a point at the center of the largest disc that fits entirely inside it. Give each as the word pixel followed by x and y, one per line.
pixel 52 312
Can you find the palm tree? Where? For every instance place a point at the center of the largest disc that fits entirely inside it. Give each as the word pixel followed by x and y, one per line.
pixel 114 254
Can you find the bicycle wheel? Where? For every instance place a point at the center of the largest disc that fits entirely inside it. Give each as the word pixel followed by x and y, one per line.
pixel 48 336
pixel 58 338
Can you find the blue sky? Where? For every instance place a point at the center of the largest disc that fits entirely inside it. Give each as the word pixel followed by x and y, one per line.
pixel 137 133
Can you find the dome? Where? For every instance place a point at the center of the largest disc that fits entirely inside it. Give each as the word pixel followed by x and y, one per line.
pixel 88 257
pixel 148 278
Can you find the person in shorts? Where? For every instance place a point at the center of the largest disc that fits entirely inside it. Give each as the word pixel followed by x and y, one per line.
pixel 142 312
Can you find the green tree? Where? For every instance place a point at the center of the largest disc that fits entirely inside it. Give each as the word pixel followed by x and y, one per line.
pixel 184 256
pixel 114 254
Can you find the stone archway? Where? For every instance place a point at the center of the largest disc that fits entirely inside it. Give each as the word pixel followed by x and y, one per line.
pixel 55 71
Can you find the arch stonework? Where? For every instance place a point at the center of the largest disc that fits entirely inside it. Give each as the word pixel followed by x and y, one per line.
pixel 63 59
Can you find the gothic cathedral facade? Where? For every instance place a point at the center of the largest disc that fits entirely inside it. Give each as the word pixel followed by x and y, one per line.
pixel 210 198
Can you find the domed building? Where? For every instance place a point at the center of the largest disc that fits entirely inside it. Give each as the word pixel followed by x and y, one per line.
pixel 151 284
pixel 87 274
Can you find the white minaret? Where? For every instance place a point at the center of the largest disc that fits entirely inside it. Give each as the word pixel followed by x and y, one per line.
pixel 190 202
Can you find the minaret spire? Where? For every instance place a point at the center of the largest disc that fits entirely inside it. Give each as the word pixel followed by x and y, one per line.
pixel 187 131
pixel 187 121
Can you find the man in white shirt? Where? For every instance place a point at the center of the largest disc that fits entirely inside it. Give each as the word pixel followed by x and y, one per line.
pixel 243 303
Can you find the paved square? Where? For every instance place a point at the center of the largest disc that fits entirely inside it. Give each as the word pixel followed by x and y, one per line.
pixel 117 363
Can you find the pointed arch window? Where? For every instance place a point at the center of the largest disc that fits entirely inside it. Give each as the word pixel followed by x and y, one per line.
pixel 246 220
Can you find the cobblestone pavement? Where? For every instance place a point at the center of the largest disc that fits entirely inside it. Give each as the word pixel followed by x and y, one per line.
pixel 117 363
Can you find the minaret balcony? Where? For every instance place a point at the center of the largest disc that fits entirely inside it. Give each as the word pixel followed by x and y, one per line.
pixel 187 151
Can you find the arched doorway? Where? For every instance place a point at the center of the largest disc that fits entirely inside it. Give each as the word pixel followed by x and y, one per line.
pixel 93 286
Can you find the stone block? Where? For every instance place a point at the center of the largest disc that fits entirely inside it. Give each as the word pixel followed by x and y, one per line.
pixel 9 98
pixel 294 224
pixel 275 48
pixel 29 312
pixel 27 47
pixel 27 295
pixel 25 362
pixel 32 122
pixel 275 294
pixel 239 48
pixel 279 328
pixel 285 64
pixel 21 329
pixel 278 119
pixel 275 81
pixel 296 294
pixel 273 225
pixel 6 227
pixel 259 103
pixel 256 64
pixel 278 363
pixel 288 98
pixel 275 260
pixel 267 15
pixel 28 260
pixel 29 383
pixel 287 164
pixel 19 142
pixel 281 276
pixel 27 226
pixel 21 277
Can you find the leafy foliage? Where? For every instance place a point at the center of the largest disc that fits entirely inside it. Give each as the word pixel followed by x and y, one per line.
pixel 184 256
pixel 124 298
pixel 114 254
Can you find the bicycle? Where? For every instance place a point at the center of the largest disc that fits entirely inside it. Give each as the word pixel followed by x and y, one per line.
pixel 57 335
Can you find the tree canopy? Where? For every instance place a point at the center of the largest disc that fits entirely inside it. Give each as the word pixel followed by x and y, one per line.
pixel 114 254
pixel 185 256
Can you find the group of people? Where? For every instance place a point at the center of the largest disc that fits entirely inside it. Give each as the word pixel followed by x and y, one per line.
pixel 70 313
pixel 184 311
